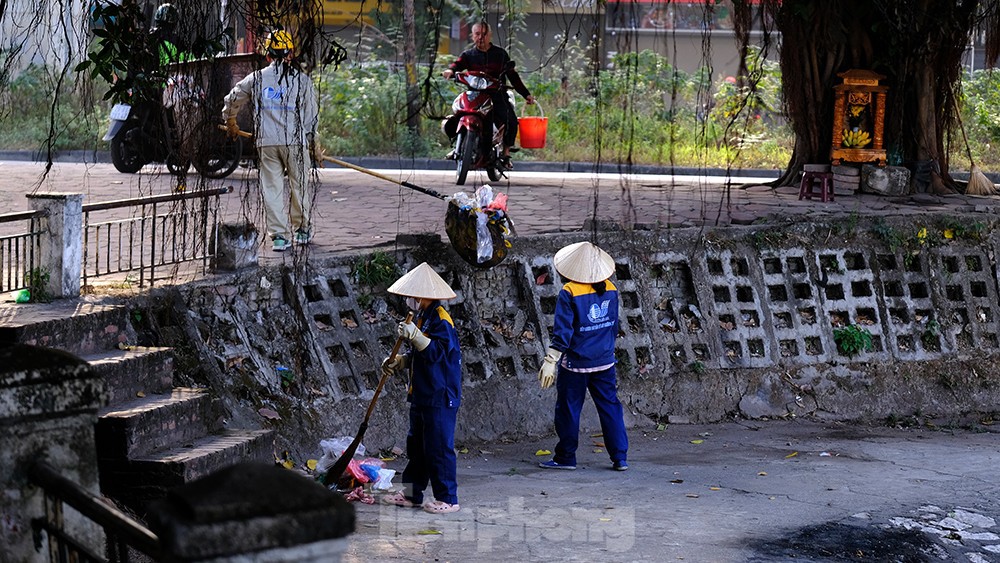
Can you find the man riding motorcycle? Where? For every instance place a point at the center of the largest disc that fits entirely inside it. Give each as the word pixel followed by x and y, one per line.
pixel 487 58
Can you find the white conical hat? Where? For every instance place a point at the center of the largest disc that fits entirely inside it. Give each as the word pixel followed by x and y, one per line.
pixel 424 283
pixel 584 262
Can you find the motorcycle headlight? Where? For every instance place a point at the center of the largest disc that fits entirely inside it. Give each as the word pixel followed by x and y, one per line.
pixel 478 82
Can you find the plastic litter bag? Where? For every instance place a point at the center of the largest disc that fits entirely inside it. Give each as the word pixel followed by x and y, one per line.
pixel 484 195
pixel 332 450
pixel 354 470
pixel 484 243
pixel 384 481
pixel 371 467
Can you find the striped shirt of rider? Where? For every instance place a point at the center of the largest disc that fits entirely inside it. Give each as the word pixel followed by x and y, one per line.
pixel 585 326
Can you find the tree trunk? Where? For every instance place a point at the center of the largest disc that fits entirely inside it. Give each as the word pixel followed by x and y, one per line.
pixel 410 63
pixel 916 44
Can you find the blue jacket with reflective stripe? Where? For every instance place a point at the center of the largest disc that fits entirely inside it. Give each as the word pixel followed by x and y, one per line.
pixel 586 325
pixel 436 374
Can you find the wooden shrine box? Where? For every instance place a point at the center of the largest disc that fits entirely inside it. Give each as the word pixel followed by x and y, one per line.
pixel 859 118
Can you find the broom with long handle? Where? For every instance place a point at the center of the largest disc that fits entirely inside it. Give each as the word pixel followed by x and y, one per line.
pixel 333 474
pixel 978 183
pixel 345 164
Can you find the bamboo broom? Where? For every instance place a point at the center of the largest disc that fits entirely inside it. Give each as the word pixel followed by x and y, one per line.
pixel 978 183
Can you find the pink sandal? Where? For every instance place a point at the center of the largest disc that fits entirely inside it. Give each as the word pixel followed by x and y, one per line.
pixel 440 507
pixel 398 499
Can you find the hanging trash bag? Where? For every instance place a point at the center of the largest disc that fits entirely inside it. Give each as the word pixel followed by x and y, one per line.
pixel 479 236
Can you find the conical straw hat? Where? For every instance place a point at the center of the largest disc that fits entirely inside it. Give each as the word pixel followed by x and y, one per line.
pixel 422 282
pixel 584 262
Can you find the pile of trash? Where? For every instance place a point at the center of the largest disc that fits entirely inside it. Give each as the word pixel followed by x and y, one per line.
pixel 479 227
pixel 363 474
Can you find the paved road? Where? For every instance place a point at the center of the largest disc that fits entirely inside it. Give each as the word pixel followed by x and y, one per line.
pixel 755 491
pixel 354 211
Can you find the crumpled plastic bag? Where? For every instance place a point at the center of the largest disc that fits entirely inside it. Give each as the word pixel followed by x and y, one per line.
pixel 333 448
pixel 371 467
pixel 354 470
pixel 358 494
pixel 384 481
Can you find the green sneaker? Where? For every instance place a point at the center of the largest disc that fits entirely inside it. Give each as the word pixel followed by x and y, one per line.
pixel 279 244
pixel 303 237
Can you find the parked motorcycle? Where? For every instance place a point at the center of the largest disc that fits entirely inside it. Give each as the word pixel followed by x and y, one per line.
pixel 477 141
pixel 147 131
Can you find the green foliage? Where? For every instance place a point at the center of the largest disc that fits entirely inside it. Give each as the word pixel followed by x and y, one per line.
pixel 930 335
pixel 889 235
pixel 363 112
pixel 41 109
pixel 638 110
pixel 980 100
pixel 127 57
pixel 852 340
pixel 958 229
pixel 374 270
pixel 36 280
pixel 698 367
pixel 641 110
pixel 768 238
pixel 742 115
pixel 847 227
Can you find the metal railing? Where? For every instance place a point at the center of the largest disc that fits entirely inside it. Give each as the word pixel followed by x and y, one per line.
pixel 123 534
pixel 160 231
pixel 20 253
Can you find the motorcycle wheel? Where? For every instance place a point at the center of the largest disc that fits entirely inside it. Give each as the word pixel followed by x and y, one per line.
pixel 126 150
pixel 217 154
pixel 468 142
pixel 177 165
pixel 493 170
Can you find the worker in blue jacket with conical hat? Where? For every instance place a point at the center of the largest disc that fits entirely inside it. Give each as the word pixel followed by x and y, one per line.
pixel 434 392
pixel 582 352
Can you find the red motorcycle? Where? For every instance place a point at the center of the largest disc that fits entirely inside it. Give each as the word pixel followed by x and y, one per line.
pixel 477 142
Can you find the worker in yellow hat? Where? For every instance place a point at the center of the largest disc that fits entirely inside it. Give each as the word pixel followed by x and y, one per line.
pixel 285 119
pixel 581 356
pixel 434 393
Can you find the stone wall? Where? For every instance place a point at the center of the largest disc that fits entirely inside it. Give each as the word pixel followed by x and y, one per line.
pixel 48 408
pixel 735 322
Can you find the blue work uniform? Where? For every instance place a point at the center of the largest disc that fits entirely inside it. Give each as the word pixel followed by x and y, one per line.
pixel 435 393
pixel 585 327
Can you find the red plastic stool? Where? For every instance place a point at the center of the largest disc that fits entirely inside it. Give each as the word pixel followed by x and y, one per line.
pixel 809 180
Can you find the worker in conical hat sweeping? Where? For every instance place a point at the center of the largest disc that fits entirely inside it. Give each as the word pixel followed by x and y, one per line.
pixel 582 353
pixel 434 393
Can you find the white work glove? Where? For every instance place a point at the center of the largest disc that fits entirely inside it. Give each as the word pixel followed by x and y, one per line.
pixel 547 374
pixel 394 365
pixel 417 339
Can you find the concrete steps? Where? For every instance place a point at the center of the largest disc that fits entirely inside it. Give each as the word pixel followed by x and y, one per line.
pixel 76 326
pixel 150 436
pixel 133 372
pixel 138 481
pixel 156 422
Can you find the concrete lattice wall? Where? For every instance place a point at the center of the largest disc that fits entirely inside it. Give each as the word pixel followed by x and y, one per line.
pixel 715 323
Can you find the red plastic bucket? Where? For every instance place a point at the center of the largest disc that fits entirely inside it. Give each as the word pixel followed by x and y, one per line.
pixel 532 130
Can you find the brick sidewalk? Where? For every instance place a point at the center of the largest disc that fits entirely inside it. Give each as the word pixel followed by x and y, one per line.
pixel 354 211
